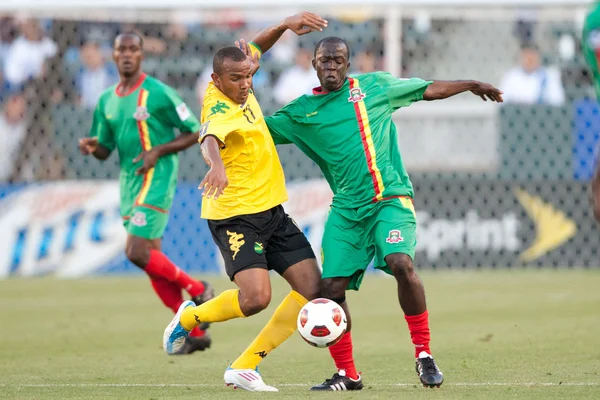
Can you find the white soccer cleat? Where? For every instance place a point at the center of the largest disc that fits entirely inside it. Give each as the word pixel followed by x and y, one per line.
pixel 247 379
pixel 175 334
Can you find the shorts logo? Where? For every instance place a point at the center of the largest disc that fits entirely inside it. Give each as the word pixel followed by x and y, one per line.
pixel 395 237
pixel 236 241
pixel 141 114
pixel 139 219
pixel 356 95
pixel 258 248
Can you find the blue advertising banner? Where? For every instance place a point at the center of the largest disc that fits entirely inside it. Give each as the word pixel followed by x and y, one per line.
pixel 73 228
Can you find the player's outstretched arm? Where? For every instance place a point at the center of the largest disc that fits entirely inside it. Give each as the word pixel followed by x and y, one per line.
pixel 215 181
pixel 90 146
pixel 439 90
pixel 176 145
pixel 301 24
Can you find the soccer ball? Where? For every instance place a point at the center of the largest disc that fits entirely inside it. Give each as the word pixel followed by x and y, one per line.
pixel 322 322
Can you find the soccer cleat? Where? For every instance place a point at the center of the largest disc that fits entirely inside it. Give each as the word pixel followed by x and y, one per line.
pixel 247 379
pixel 175 334
pixel 192 344
pixel 209 293
pixel 339 381
pixel 429 373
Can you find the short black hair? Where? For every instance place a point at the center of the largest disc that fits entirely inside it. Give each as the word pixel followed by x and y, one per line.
pixel 332 40
pixel 232 53
pixel 131 34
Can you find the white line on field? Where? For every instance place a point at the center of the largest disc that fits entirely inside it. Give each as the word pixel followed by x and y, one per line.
pixel 483 384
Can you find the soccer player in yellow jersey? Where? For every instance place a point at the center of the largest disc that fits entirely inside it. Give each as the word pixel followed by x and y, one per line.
pixel 243 193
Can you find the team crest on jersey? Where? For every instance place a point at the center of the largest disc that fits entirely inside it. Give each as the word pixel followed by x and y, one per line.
pixel 356 95
pixel 139 219
pixel 141 114
pixel 395 236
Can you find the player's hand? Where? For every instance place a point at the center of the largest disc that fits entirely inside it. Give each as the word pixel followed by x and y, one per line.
pixel 487 91
pixel 304 23
pixel 215 182
pixel 88 145
pixel 149 157
pixel 254 58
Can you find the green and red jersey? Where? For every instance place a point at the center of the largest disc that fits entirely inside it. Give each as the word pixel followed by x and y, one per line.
pixel 137 121
pixel 590 41
pixel 350 134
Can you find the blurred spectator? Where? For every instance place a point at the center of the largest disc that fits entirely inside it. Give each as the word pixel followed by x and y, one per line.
pixel 364 62
pixel 95 76
pixel 8 33
pixel 202 83
pixel 297 80
pixel 13 128
pixel 285 50
pixel 532 83
pixel 26 55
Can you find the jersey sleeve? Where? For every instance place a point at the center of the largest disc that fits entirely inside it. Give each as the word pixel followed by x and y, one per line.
pixel 254 48
pixel 402 92
pixel 101 129
pixel 281 126
pixel 174 112
pixel 219 122
pixel 590 44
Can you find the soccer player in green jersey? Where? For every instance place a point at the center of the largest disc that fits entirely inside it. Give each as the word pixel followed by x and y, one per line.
pixel 137 117
pixel 346 127
pixel 590 43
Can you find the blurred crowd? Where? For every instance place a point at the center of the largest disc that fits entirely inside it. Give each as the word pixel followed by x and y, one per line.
pixel 50 65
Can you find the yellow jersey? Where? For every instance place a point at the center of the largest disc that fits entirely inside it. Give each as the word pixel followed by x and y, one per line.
pixel 256 179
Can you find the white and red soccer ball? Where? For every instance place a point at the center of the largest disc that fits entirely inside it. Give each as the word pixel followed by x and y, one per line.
pixel 322 322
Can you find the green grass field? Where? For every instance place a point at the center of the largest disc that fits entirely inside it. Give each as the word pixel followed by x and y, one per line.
pixel 496 334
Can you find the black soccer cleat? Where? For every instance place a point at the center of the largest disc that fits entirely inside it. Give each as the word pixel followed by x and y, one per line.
pixel 209 293
pixel 429 374
pixel 339 381
pixel 193 344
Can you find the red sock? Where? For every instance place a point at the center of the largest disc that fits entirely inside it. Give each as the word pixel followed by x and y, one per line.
pixel 341 352
pixel 169 292
pixel 159 265
pixel 418 325
pixel 197 332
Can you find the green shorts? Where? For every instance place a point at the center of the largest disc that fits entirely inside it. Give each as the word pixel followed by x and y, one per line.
pixel 353 237
pixel 146 222
pixel 145 203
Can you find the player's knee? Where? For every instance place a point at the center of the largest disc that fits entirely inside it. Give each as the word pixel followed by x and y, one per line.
pixel 401 265
pixel 310 290
pixel 137 255
pixel 255 302
pixel 332 288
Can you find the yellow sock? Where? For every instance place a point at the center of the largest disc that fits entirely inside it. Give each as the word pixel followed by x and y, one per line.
pixel 281 326
pixel 222 308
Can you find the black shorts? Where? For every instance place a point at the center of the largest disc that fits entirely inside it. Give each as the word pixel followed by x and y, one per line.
pixel 269 240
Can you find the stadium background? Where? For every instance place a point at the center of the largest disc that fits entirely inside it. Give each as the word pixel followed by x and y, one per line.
pixel 496 186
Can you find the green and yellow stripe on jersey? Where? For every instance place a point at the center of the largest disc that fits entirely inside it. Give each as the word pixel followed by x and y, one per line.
pixel 146 146
pixel 367 140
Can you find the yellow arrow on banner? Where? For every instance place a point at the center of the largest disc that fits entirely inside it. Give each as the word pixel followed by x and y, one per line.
pixel 552 226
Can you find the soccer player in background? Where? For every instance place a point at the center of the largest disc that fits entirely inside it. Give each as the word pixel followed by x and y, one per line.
pixel 243 193
pixel 137 117
pixel 346 127
pixel 590 43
